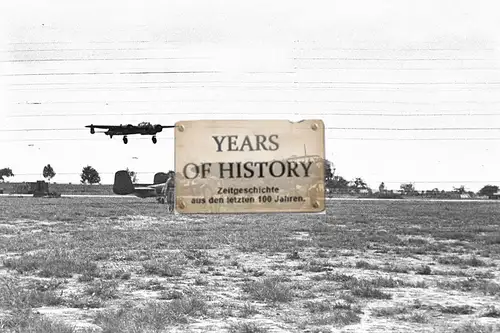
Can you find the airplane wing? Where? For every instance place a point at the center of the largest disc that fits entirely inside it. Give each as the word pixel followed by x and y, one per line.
pixel 156 185
pixel 111 127
pixel 144 189
pixel 145 192
pixel 168 126
pixel 104 126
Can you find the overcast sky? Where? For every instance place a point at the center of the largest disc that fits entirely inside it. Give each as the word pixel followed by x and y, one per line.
pixel 376 64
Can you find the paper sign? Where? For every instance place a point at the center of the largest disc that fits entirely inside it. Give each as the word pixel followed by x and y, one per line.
pixel 249 166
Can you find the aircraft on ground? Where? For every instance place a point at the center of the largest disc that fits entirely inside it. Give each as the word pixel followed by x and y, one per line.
pixel 123 185
pixel 144 128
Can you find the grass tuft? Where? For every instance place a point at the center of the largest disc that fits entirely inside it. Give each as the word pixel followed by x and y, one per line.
pixel 269 289
pixel 474 327
pixel 151 316
pixel 13 295
pixel 54 263
pixel 28 322
pixel 455 260
pixel 247 328
pixel 162 268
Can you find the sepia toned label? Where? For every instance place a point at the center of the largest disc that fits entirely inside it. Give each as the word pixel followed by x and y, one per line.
pixel 249 166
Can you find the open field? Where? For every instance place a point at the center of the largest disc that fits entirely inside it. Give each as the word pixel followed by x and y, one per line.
pixel 109 265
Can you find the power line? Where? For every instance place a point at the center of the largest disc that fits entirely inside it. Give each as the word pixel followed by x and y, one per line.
pixel 415 128
pixel 294 58
pixel 391 59
pixel 363 114
pixel 413 139
pixel 328 138
pixel 289 101
pixel 76 173
pixel 326 128
pixel 91 42
pixel 400 68
pixel 191 58
pixel 397 83
pixel 83 84
pixel 270 72
pixel 444 181
pixel 269 83
pixel 111 73
pixel 41 129
pixel 392 49
pixel 90 49
pixel 99 59
pixel 257 87
pixel 405 49
pixel 138 82
pixel 296 43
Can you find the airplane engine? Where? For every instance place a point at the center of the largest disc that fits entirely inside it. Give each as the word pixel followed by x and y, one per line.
pixel 160 177
pixel 158 128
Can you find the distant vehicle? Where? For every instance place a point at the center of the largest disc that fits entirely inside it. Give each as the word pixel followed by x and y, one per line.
pixel 123 185
pixel 40 188
pixel 143 128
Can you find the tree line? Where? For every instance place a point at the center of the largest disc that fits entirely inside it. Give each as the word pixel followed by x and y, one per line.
pixel 336 182
pixel 90 175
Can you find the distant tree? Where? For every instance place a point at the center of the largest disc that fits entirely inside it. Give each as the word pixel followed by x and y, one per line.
pixel 329 170
pixel 5 172
pixel 381 187
pixel 407 188
pixel 90 175
pixel 358 183
pixel 488 190
pixel 133 176
pixel 340 182
pixel 337 182
pixel 460 190
pixel 48 172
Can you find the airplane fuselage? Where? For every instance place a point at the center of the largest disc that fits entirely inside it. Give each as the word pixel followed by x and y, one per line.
pixel 142 129
pixel 126 131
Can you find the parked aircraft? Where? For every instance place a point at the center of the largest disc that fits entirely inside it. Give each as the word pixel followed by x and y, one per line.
pixel 123 185
pixel 143 128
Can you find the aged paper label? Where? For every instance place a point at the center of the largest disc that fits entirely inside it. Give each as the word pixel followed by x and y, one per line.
pixel 249 166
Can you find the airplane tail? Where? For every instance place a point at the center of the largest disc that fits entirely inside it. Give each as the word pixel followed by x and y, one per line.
pixel 123 184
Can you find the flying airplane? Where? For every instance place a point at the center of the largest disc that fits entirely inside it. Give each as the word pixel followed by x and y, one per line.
pixel 123 185
pixel 144 128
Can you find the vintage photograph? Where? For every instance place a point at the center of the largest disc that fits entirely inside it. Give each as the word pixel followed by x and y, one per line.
pixel 249 166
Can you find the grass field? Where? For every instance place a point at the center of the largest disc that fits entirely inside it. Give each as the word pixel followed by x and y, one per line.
pixel 105 189
pixel 118 265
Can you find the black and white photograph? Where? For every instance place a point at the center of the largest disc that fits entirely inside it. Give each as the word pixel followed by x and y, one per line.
pixel 249 166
